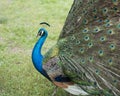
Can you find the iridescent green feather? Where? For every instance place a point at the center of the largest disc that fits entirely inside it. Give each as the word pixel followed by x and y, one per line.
pixel 89 46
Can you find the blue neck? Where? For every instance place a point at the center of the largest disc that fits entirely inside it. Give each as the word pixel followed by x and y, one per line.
pixel 37 57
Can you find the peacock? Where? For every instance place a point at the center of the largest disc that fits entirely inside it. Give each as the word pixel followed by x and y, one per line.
pixel 86 58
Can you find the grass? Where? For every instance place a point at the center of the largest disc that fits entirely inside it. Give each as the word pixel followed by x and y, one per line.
pixel 19 23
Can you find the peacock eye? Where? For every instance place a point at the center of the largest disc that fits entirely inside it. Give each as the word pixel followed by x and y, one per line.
pixel 40 32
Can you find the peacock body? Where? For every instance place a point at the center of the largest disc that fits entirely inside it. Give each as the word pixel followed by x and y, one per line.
pixel 86 58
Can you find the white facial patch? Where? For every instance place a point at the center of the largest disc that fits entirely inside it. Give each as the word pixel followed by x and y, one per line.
pixel 42 32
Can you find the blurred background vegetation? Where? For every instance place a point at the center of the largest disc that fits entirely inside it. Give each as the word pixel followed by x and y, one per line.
pixel 19 24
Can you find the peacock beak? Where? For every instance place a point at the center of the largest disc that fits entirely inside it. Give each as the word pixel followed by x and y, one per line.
pixel 37 35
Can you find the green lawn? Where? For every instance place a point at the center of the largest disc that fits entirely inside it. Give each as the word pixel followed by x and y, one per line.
pixel 19 24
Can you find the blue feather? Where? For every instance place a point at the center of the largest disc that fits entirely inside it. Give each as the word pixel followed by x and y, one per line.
pixel 61 78
pixel 37 57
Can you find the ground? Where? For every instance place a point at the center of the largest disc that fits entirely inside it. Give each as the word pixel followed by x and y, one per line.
pixel 19 24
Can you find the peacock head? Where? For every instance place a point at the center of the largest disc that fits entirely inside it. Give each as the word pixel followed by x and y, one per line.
pixel 42 32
